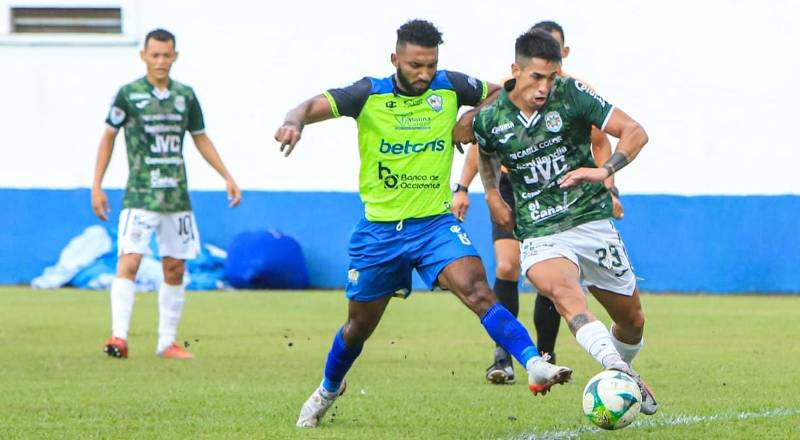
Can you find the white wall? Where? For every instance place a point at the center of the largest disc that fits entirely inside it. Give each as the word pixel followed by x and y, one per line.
pixel 714 83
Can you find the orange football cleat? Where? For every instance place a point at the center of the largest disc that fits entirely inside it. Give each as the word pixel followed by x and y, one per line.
pixel 116 347
pixel 175 351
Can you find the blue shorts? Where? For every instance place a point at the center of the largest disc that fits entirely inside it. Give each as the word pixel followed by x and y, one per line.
pixel 382 254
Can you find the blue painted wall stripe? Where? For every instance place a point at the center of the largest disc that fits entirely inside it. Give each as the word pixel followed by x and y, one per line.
pixel 684 244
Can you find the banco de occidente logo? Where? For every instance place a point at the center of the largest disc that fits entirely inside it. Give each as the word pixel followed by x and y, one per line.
pixel 385 174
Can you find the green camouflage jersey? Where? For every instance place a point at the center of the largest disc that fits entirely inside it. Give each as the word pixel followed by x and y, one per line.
pixel 155 123
pixel 538 152
pixel 405 142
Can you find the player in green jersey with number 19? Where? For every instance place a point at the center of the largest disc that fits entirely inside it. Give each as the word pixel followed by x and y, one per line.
pixel 155 112
pixel 539 130
pixel 405 137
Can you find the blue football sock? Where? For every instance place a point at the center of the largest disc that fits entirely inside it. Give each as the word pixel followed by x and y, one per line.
pixel 340 359
pixel 507 331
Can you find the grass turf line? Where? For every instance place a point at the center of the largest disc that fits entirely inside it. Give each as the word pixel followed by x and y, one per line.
pixel 421 374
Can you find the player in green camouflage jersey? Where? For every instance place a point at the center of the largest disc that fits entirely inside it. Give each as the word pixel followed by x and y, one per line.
pixel 155 112
pixel 506 247
pixel 405 140
pixel 539 129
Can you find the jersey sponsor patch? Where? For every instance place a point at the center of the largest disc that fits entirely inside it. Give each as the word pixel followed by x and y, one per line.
pixel 506 137
pixel 116 115
pixel 589 91
pixel 508 125
pixel 180 103
pixel 435 101
pixel 552 121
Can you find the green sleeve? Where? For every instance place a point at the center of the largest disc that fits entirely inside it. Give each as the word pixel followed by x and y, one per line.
pixel 196 124
pixel 118 113
pixel 588 105
pixel 481 134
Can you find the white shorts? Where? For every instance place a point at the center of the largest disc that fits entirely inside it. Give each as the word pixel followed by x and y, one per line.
pixel 176 232
pixel 595 247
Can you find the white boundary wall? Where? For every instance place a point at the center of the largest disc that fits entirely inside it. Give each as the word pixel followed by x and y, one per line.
pixel 714 83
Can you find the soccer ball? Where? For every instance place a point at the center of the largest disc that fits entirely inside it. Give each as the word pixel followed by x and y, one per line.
pixel 611 399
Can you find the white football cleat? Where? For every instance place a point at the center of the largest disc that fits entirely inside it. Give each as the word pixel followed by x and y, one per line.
pixel 649 404
pixel 542 375
pixel 317 405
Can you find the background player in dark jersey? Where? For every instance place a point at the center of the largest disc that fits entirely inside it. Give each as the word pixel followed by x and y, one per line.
pixel 405 136
pixel 506 247
pixel 155 112
pixel 540 131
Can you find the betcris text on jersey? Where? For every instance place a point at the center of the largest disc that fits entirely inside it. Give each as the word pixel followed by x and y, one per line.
pixel 409 147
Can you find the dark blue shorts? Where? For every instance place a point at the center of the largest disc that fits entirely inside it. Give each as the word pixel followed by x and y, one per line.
pixel 382 254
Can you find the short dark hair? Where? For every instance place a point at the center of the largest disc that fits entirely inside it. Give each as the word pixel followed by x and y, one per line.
pixel 162 35
pixel 538 44
pixel 550 26
pixel 420 32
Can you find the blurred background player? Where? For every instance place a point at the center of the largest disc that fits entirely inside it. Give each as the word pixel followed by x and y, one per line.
pixel 506 247
pixel 563 209
pixel 155 112
pixel 403 182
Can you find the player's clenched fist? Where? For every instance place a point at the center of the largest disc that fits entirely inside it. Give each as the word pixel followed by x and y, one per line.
pixel 288 135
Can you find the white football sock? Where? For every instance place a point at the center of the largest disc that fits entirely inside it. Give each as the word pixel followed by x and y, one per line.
pixel 170 307
pixel 122 297
pixel 595 338
pixel 627 351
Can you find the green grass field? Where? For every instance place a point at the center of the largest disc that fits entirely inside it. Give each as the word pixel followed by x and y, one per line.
pixel 723 367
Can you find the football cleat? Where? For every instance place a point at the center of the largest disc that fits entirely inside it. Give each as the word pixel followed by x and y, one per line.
pixel 116 347
pixel 317 405
pixel 501 372
pixel 175 351
pixel 649 404
pixel 542 375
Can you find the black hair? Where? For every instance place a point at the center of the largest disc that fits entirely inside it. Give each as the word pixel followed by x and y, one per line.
pixel 538 44
pixel 420 32
pixel 550 26
pixel 162 35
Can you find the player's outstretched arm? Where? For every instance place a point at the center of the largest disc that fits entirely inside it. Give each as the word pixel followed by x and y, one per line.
pixel 489 168
pixel 462 131
pixel 632 139
pixel 210 154
pixel 312 110
pixel 468 172
pixel 99 199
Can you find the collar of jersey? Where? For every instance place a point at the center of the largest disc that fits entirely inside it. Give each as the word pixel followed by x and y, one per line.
pixel 160 95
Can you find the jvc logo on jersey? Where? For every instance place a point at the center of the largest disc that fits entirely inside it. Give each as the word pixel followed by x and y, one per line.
pixel 170 143
pixel 385 174
pixel 542 171
pixel 408 147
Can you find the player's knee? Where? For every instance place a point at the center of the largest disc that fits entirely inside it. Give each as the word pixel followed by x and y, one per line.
pixel 480 298
pixel 633 321
pixel 507 269
pixel 173 271
pixel 356 332
pixel 128 265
